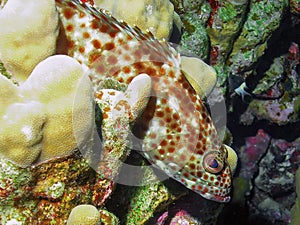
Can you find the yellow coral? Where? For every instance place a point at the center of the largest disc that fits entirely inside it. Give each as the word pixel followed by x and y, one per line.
pixel 37 118
pixel 28 35
pixel 201 76
pixel 232 158
pixel 156 16
pixel 84 215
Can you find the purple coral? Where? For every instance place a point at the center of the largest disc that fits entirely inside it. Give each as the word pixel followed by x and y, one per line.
pixel 250 154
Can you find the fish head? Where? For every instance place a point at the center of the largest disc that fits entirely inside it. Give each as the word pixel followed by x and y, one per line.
pixel 181 140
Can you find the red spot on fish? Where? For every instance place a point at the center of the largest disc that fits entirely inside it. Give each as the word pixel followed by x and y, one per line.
pixel 104 28
pixel 161 151
pixel 127 57
pixel 96 43
pixel 70 44
pixel 81 49
pixel 113 33
pixel 68 13
pixel 126 69
pixel 109 46
pixel 86 35
pixel 163 143
pixel 171 149
pixel 94 24
pixel 94 56
pixel 160 114
pixel 192 166
pixel 70 28
pixel 81 14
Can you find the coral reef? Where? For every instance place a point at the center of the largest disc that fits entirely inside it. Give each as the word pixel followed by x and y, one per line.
pixel 44 129
pixel 295 7
pixel 277 93
pixel 20 38
pixel 238 32
pixel 224 24
pixel 266 178
pixel 47 192
pixel 263 18
pixel 182 217
pixel 146 200
pixel 156 16
pixel 145 90
pixel 251 153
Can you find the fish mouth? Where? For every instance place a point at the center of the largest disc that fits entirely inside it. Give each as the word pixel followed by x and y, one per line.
pixel 216 198
pixel 218 194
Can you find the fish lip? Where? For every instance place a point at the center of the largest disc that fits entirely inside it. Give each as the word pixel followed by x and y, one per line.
pixel 216 198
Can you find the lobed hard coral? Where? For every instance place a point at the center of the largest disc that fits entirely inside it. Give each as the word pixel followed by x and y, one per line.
pixel 37 118
pixel 201 76
pixel 27 37
pixel 156 16
pixel 84 215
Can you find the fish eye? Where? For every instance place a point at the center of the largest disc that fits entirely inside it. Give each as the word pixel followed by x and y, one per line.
pixel 211 163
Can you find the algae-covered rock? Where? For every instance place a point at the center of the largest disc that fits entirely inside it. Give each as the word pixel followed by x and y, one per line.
pixel 296 208
pixel 276 96
pixel 225 22
pixel 194 38
pixel 262 20
pixel 108 218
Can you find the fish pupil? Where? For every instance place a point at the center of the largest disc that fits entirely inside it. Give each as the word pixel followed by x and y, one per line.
pixel 213 164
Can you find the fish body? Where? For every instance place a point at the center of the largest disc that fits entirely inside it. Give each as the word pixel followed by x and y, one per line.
pixel 177 131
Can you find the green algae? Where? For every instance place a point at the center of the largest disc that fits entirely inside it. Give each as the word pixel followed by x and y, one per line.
pixel 13 181
pixel 195 38
pixel 150 197
pixel 108 218
pixel 4 72
pixel 228 12
pixel 183 6
pixel 56 190
pixel 272 75
pixel 110 83
pixel 262 20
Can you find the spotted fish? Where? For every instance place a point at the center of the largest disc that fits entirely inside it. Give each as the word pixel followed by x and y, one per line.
pixel 178 134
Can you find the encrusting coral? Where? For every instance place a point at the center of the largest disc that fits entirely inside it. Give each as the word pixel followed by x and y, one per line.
pixel 27 37
pixel 119 110
pixel 156 16
pixel 37 117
